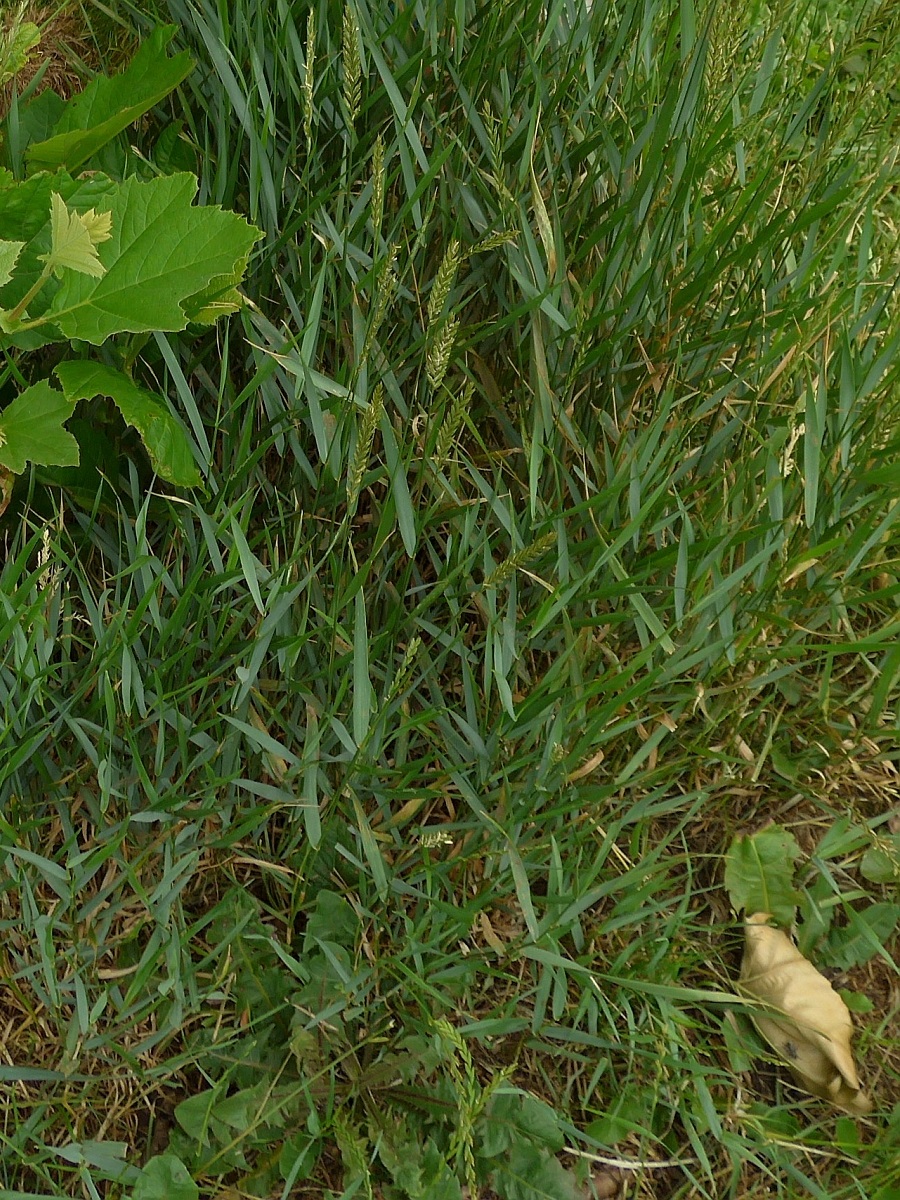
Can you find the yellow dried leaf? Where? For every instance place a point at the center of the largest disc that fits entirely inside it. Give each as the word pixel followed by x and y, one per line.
pixel 805 1022
pixel 489 934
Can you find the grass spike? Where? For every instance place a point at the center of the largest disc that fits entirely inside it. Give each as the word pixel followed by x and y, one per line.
pixel 440 348
pixel 404 671
pixel 449 427
pixel 520 559
pixel 493 241
pixel 469 1100
pixel 309 76
pixel 363 451
pixel 377 189
pixel 351 64
pixel 443 281
pixel 387 286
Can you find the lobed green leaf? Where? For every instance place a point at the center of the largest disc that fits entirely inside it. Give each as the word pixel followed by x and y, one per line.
pixel 31 429
pixel 163 251
pixel 165 438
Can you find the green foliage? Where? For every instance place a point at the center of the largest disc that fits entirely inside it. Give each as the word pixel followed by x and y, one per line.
pixel 144 259
pixel 9 253
pixel 20 38
pixel 164 1177
pixel 74 240
pixel 31 429
pixel 395 1115
pixel 91 119
pixel 881 864
pixel 520 1139
pixel 759 870
pixel 160 431
pixel 867 932
pixel 550 536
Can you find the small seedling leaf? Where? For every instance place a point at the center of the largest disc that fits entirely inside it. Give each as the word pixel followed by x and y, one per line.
pixel 759 870
pixel 165 1177
pixel 31 430
pixel 804 1019
pixel 75 237
pixel 9 252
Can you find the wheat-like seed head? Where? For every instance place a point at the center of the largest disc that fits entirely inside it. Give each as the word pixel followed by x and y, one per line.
pixel 443 282
pixel 521 558
pixel 350 61
pixel 450 426
pixel 377 187
pixel 363 451
pixel 440 348
pixel 309 76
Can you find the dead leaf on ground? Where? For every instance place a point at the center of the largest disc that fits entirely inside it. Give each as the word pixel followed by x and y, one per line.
pixel 812 1030
pixel 607 1184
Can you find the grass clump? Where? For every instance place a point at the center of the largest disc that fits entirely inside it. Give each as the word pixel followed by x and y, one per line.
pixel 363 813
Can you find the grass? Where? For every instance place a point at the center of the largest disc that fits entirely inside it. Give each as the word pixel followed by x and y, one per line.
pixel 363 814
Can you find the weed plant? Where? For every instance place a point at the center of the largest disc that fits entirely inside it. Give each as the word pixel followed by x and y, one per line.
pixel 362 812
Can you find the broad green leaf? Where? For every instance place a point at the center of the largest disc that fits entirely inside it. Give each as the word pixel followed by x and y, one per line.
pixel 333 920
pixel 39 117
pixel 9 253
pixel 439 1183
pixel 75 237
pixel 298 1156
pixel 196 1116
pixel 166 440
pixel 31 429
pixel 517 1117
pixel 244 1108
pixel 864 936
pixel 881 864
pixel 400 1151
pixel 540 1123
pixel 108 1158
pixel 165 1177
pixel 759 871
pixel 162 252
pixel 532 1174
pixel 107 106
